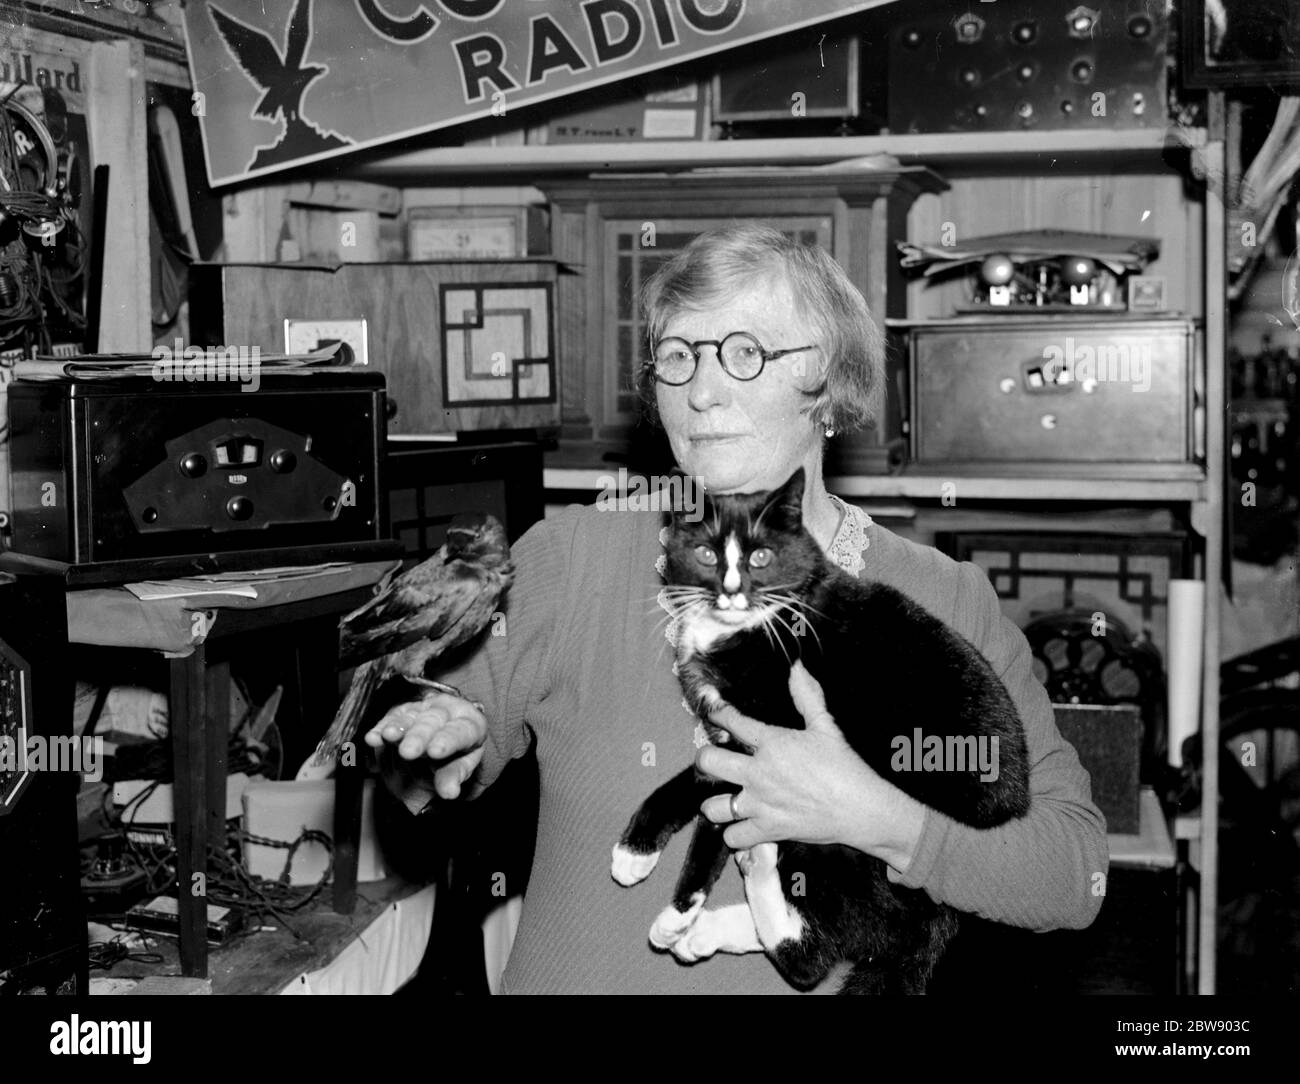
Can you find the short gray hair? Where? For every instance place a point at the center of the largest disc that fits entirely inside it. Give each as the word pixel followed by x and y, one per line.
pixel 720 262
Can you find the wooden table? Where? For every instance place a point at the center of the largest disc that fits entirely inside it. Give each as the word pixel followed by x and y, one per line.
pixel 202 635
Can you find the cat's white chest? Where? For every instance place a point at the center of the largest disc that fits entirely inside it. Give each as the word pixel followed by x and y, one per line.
pixel 699 634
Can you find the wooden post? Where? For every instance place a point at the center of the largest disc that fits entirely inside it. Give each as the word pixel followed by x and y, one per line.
pixel 1216 303
pixel 189 797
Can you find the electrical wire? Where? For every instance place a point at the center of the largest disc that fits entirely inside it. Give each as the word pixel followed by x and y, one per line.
pixel 106 954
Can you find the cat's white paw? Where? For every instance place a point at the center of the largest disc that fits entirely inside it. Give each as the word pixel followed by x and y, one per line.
pixel 726 929
pixel 629 868
pixel 698 943
pixel 671 924
pixel 700 940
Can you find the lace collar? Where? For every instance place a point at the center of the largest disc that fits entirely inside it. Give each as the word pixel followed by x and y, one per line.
pixel 851 539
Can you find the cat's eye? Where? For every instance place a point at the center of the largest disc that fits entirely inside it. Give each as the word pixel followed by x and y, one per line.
pixel 760 558
pixel 705 555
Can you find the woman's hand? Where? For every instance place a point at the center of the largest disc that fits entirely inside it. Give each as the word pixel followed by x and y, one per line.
pixel 807 785
pixel 427 747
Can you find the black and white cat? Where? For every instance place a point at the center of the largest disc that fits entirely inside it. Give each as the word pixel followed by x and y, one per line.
pixel 753 591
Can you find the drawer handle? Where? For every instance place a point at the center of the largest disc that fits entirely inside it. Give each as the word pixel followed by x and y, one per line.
pixel 1007 385
pixel 1048 421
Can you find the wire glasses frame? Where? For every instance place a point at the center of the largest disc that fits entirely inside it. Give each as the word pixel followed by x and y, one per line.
pixel 742 357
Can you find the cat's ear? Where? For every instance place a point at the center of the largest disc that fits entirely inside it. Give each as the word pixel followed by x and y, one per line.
pixel 790 495
pixel 787 500
pixel 691 504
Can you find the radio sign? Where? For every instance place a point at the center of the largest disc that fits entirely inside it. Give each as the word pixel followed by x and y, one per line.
pixel 278 83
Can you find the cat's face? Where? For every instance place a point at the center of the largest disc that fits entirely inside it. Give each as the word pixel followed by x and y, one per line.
pixel 744 564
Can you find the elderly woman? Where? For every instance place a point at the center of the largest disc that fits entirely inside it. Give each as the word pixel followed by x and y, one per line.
pixel 585 663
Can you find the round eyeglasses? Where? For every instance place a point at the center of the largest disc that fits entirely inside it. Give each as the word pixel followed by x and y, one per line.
pixel 742 357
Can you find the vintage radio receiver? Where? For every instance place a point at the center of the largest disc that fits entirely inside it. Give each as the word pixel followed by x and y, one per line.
pixel 128 478
pixel 1107 397
pixel 1027 64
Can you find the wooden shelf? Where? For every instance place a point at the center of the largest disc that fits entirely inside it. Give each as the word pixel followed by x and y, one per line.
pixel 973 487
pixel 947 151
pixel 266 961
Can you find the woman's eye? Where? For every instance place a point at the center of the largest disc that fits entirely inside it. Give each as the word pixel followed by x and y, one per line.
pixel 705 555
pixel 760 558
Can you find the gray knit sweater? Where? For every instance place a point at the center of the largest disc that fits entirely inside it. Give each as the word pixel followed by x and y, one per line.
pixel 584 661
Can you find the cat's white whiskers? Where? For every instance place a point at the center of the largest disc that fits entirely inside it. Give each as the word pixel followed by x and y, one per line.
pixel 804 623
pixel 775 617
pixel 769 619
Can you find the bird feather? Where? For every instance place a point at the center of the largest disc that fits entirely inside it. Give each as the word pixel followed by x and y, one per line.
pixel 415 618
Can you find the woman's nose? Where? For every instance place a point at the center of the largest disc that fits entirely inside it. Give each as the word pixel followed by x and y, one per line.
pixel 708 387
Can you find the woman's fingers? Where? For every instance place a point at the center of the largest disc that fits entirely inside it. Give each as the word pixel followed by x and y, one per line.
pixel 741 727
pixel 717 809
pixel 448 779
pixel 809 700
pixel 438 727
pixel 723 764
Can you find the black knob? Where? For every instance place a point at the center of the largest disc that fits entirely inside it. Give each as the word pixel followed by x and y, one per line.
pixel 1067 107
pixel 1024 33
pixel 1025 72
pixel 969 77
pixel 194 465
pixel 329 503
pixel 1081 71
pixel 911 37
pixel 149 515
pixel 283 461
pixel 240 508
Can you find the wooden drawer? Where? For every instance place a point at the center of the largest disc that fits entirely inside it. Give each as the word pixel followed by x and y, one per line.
pixel 1072 392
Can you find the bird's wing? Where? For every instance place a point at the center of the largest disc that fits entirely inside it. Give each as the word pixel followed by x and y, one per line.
pixel 299 34
pixel 404 615
pixel 255 51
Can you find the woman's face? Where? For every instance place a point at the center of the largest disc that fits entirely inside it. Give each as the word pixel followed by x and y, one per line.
pixel 744 436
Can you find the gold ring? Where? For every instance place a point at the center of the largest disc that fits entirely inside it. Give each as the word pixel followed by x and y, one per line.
pixel 735 813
